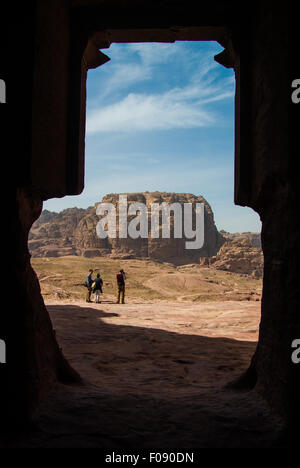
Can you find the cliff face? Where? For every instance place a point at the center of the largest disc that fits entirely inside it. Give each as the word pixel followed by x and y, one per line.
pixel 52 235
pixel 240 256
pixel 73 232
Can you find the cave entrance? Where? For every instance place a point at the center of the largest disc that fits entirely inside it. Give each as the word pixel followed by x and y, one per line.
pixel 63 40
pixel 167 347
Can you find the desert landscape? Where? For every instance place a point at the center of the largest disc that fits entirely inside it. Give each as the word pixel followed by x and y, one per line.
pixel 163 369
pixel 160 370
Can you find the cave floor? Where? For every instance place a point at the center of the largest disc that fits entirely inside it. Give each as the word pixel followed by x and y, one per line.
pixel 155 375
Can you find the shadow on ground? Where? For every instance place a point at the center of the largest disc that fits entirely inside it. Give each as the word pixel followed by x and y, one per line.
pixel 148 388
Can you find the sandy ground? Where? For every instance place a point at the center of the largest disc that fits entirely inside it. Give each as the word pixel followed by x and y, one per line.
pixel 157 348
pixel 155 376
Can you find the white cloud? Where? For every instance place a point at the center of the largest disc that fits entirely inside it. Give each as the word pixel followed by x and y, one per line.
pixel 176 108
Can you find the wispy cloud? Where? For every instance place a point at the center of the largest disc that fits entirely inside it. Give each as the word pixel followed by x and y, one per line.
pixel 154 53
pixel 132 64
pixel 124 75
pixel 174 109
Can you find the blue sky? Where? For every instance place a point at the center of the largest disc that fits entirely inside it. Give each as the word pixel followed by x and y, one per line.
pixel 161 117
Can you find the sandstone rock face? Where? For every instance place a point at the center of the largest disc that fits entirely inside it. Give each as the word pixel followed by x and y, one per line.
pixel 43 363
pixel 73 232
pixel 253 237
pixel 52 235
pixel 239 256
pixel 204 261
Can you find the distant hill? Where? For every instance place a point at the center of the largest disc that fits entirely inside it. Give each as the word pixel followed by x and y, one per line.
pixel 73 232
pixel 253 237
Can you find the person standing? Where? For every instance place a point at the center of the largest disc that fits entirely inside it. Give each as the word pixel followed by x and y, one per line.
pixel 98 283
pixel 121 277
pixel 89 282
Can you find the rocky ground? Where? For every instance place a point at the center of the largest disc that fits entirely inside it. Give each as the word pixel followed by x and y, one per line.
pixel 155 375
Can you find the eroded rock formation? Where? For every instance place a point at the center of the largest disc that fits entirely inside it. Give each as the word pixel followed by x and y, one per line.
pixel 73 232
pixel 239 256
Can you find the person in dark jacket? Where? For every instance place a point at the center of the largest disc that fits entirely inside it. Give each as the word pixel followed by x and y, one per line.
pixel 89 282
pixel 98 284
pixel 121 277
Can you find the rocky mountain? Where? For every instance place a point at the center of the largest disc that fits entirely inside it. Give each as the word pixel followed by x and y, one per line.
pixel 52 235
pixel 73 232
